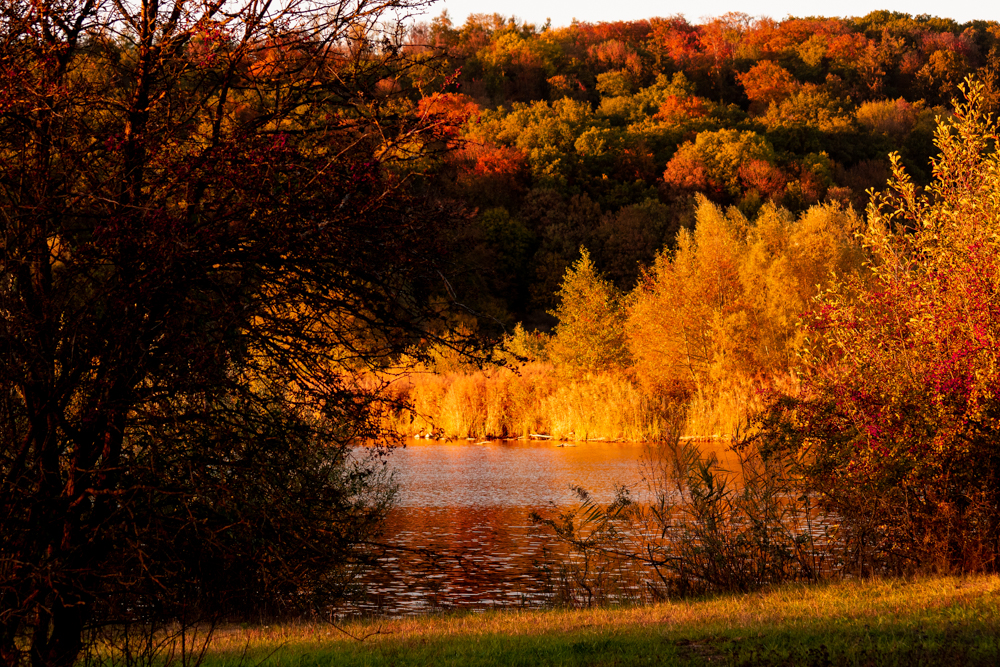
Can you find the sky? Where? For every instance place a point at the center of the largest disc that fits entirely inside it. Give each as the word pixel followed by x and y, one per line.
pixel 563 12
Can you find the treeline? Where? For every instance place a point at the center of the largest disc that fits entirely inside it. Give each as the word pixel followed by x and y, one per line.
pixel 601 134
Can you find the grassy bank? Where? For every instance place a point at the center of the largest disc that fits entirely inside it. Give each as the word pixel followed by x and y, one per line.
pixel 941 620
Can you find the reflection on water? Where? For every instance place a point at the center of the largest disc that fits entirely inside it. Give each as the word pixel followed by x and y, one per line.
pixel 511 473
pixel 461 536
pixel 459 557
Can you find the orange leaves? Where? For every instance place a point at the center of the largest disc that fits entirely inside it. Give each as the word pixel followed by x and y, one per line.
pixel 711 163
pixel 676 109
pixel 894 118
pixel 724 305
pixel 686 171
pixel 766 83
pixel 450 111
pixel 675 39
pixel 590 336
pixel 565 85
pixel 276 57
pixel 615 54
pixel 762 176
pixel 497 168
pixel 497 161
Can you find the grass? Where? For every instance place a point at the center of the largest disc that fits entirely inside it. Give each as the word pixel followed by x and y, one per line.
pixel 929 621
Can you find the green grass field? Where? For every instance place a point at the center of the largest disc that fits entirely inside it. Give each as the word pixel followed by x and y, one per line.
pixel 930 621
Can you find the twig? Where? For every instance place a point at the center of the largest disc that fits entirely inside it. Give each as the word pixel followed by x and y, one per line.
pixel 377 631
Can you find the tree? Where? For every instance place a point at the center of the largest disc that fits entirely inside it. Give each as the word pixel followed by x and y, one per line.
pixel 768 82
pixel 712 161
pixel 720 311
pixel 207 239
pixel 899 415
pixel 590 336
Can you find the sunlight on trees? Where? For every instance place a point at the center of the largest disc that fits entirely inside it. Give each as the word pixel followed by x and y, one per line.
pixel 590 335
pixel 900 411
pixel 712 161
pixel 722 309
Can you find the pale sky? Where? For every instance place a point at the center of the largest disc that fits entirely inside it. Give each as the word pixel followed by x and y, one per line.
pixel 562 12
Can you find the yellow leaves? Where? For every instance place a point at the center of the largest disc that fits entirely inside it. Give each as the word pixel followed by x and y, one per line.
pixel 727 301
pixel 590 334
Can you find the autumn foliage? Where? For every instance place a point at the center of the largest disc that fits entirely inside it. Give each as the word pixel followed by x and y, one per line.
pixel 899 412
pixel 207 234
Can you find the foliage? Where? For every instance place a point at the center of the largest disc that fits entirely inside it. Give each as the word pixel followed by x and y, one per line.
pixel 537 398
pixel 526 345
pixel 899 411
pixel 722 308
pixel 892 117
pixel 729 530
pixel 712 161
pixel 735 108
pixel 625 241
pixel 767 83
pixel 206 236
pixel 590 335
pixel 703 528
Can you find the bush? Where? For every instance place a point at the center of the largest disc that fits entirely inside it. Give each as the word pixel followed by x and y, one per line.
pixel 703 529
pixel 900 407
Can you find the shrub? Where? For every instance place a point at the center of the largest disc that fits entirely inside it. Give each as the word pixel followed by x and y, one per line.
pixel 901 404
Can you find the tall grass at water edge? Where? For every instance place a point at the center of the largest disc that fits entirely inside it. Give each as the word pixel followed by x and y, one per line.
pixel 499 403
pixel 539 399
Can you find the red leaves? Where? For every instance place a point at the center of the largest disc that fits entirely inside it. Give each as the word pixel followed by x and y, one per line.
pixel 500 166
pixel 676 39
pixel 905 363
pixel 764 177
pixel 686 172
pixel 766 83
pixel 449 111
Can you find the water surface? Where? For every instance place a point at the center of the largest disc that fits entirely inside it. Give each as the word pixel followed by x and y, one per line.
pixel 461 534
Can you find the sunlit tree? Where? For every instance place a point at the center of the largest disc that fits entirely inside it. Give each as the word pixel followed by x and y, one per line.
pixel 590 335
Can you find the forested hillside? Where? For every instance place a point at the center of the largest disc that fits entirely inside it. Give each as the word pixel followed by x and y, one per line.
pixel 601 135
pixel 652 205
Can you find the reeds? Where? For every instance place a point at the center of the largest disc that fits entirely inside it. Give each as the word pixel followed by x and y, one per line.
pixel 543 399
pixel 536 399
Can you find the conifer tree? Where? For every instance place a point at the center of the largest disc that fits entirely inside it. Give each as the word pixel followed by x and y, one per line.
pixel 590 336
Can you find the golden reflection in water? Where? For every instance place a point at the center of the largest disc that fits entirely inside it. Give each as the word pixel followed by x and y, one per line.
pixel 506 473
pixel 461 535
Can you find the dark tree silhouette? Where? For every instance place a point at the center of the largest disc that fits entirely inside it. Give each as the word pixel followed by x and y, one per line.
pixel 207 240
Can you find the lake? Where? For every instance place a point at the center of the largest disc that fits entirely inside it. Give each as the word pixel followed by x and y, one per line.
pixel 461 531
